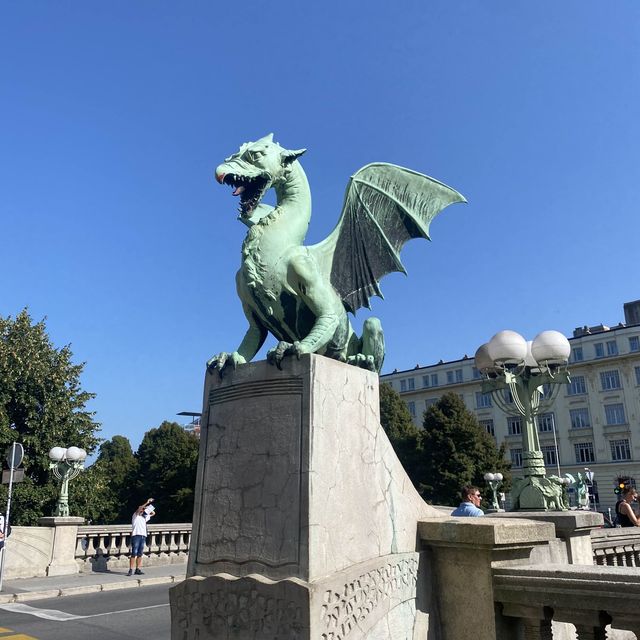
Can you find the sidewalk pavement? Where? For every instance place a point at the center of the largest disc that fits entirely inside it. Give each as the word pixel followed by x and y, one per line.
pixel 25 589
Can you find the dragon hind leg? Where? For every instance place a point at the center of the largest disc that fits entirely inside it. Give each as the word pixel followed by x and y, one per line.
pixel 370 347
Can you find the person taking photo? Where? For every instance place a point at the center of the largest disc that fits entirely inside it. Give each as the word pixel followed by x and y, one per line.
pixel 139 536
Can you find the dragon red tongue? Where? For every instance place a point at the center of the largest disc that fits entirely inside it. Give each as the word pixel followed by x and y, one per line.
pixel 238 190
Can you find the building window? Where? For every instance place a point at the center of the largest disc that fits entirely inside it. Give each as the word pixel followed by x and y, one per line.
pixel 412 408
pixel 614 414
pixel 487 425
pixel 580 418
pixel 634 343
pixel 620 450
pixel 577 386
pixel 476 374
pixel 599 348
pixel 514 425
pixel 449 377
pixel 610 380
pixel 612 348
pixel 403 385
pixel 549 454
pixel 516 458
pixel 411 383
pixel 429 402
pixel 483 400
pixel 584 452
pixel 545 422
pixel 577 355
pixel 507 396
pixel 458 375
pixel 425 382
pixel 434 379
pixel 637 375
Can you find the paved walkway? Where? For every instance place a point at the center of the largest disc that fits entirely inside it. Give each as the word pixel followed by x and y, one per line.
pixel 25 589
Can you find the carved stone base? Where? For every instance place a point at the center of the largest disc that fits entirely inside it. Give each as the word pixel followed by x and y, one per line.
pixel 305 521
pixel 374 599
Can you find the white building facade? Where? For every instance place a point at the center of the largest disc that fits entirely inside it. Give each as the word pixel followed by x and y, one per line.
pixel 594 421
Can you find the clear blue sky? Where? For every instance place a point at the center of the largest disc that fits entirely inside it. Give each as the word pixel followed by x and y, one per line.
pixel 114 115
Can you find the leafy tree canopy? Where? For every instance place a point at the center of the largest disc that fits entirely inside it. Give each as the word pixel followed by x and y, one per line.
pixel 42 405
pixel 456 451
pixel 101 494
pixel 402 432
pixel 167 462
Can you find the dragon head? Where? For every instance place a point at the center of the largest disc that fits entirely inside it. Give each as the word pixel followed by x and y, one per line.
pixel 254 169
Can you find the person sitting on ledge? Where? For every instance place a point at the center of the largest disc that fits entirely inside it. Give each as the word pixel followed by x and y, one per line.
pixel 626 517
pixel 471 498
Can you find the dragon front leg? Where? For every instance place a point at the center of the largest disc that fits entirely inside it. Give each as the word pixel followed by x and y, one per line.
pixel 304 276
pixel 253 339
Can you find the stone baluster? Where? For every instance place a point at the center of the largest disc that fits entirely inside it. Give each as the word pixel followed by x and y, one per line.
pixel 124 544
pixel 174 547
pixel 82 547
pixel 628 622
pixel 590 625
pixel 165 543
pixel 152 541
pixel 536 621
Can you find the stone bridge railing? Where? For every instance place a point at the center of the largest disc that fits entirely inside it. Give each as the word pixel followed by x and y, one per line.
pixel 100 548
pixel 616 547
pixel 601 602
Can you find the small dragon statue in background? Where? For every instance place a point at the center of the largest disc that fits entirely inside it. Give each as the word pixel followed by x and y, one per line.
pixel 302 294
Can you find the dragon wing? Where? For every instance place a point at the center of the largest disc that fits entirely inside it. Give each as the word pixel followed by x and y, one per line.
pixel 384 206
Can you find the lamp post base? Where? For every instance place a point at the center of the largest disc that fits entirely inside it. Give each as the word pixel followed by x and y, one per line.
pixel 538 493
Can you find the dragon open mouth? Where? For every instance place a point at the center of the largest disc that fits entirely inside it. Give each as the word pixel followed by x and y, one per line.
pixel 250 189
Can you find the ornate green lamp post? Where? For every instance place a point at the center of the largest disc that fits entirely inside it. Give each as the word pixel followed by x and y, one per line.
pixel 494 480
pixel 66 464
pixel 532 372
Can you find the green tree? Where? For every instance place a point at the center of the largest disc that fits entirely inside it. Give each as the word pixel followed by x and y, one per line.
pixel 167 460
pixel 401 431
pixel 102 492
pixel 456 451
pixel 42 404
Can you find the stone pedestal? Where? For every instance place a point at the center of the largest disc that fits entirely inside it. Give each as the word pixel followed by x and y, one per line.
pixel 464 552
pixel 64 544
pixel 305 523
pixel 572 527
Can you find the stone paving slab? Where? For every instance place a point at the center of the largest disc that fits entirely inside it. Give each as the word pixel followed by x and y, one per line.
pixel 27 589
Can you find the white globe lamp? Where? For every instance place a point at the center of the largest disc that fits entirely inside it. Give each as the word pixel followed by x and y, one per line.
pixel 507 347
pixel 57 453
pixel 551 347
pixel 483 360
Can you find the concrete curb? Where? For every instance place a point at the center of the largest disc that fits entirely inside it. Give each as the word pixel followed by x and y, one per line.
pixel 25 596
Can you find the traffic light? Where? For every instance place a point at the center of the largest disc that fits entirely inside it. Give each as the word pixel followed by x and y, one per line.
pixel 622 484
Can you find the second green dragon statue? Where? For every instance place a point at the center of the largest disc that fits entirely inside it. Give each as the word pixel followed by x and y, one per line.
pixel 302 294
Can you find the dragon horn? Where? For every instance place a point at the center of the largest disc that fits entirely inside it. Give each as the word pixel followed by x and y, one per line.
pixel 289 156
pixel 268 139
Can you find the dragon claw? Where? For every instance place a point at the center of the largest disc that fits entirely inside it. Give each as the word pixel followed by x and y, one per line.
pixel 223 360
pixel 277 354
pixel 363 361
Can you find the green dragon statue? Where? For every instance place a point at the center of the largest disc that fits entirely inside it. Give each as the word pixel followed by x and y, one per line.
pixel 302 294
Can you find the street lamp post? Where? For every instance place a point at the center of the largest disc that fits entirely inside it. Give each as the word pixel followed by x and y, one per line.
pixel 494 480
pixel 509 362
pixel 66 464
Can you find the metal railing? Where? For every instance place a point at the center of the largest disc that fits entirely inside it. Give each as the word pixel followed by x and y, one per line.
pixel 101 548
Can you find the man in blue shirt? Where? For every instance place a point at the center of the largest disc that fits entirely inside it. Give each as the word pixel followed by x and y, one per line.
pixel 471 499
